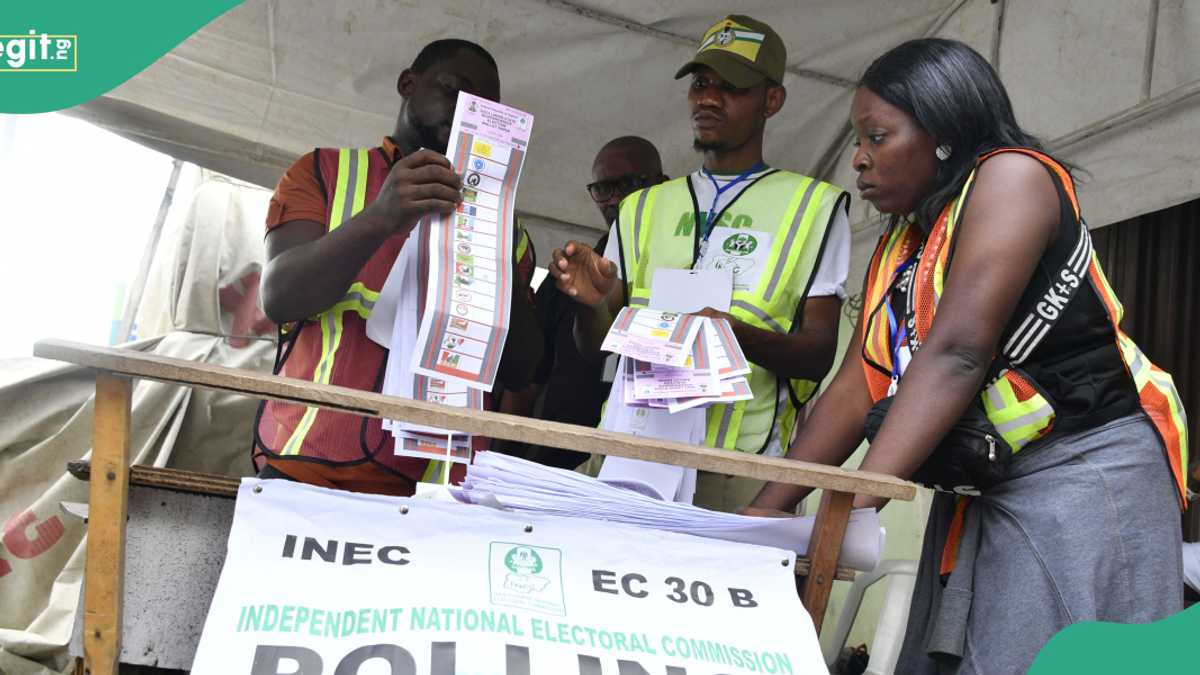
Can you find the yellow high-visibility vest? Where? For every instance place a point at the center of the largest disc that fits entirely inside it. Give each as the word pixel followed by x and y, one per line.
pixel 659 228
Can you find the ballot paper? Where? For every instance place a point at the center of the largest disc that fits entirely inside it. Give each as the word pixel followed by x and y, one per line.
pixel 665 401
pixel 452 448
pixel 731 391
pixel 712 372
pixel 393 324
pixel 646 421
pixel 653 335
pixel 727 358
pixel 524 486
pixel 656 381
pixel 470 277
pixel 417 440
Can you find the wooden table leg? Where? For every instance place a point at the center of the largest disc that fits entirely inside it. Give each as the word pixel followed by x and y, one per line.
pixel 833 516
pixel 104 574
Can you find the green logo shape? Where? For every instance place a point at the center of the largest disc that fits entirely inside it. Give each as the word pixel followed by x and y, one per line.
pixel 56 55
pixel 1102 648
pixel 740 244
pixel 523 560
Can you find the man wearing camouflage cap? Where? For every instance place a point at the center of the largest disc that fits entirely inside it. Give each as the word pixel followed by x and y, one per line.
pixel 785 236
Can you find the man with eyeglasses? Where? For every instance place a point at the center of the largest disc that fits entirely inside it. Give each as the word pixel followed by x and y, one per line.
pixel 785 237
pixel 572 385
pixel 623 165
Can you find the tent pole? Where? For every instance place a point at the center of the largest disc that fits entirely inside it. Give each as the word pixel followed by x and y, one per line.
pixel 1151 45
pixel 139 283
pixel 997 32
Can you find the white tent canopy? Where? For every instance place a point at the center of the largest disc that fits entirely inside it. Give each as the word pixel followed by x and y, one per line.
pixel 1108 83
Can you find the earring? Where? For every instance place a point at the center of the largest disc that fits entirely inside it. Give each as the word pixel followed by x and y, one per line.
pixel 942 152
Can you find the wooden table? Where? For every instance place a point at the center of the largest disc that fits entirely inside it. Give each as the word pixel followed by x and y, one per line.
pixel 111 474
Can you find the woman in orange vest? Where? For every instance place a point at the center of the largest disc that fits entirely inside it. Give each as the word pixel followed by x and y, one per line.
pixel 985 309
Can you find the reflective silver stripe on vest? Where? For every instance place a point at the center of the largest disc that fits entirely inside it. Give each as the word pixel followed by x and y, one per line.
pixel 639 302
pixel 1163 383
pixel 1043 413
pixel 1167 385
pixel 993 392
pixel 321 374
pixel 723 429
pixel 763 316
pixel 358 299
pixel 351 188
pixel 786 252
pixel 1135 368
pixel 637 225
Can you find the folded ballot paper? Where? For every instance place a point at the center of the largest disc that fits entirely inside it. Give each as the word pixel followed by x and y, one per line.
pixel 676 361
pixel 519 485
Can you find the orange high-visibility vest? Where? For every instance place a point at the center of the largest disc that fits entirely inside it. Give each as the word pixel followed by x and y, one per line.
pixel 1012 401
pixel 335 349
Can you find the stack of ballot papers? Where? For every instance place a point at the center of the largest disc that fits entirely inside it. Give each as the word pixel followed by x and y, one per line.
pixel 444 309
pixel 676 361
pixel 393 324
pixel 515 484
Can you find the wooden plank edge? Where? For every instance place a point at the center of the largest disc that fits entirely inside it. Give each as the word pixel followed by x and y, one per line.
pixel 108 503
pixel 843 573
pixel 824 549
pixel 175 480
pixel 494 425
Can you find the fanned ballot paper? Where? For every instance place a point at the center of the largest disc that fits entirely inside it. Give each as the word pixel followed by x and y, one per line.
pixel 470 275
pixel 672 364
pixel 652 335
pixel 677 361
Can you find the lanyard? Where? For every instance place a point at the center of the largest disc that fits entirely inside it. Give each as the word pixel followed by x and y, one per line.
pixel 894 326
pixel 712 210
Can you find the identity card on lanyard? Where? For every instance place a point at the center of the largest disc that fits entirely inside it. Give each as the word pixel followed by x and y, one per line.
pixel 744 253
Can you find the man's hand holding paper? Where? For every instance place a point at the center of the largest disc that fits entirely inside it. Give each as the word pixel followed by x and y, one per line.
pixel 419 184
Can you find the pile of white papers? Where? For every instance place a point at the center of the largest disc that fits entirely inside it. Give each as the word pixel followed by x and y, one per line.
pixel 500 480
pixel 676 361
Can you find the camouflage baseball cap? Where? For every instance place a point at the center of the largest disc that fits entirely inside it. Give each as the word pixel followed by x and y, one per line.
pixel 742 50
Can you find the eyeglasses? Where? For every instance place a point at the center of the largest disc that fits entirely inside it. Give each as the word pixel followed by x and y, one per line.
pixel 603 190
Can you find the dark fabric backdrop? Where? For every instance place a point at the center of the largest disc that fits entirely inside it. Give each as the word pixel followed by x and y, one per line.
pixel 1153 264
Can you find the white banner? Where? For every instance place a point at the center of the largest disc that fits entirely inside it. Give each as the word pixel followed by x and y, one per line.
pixel 321 581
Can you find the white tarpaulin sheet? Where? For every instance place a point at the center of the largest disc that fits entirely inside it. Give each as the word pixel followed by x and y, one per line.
pixel 202 306
pixel 270 80
pixel 365 579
